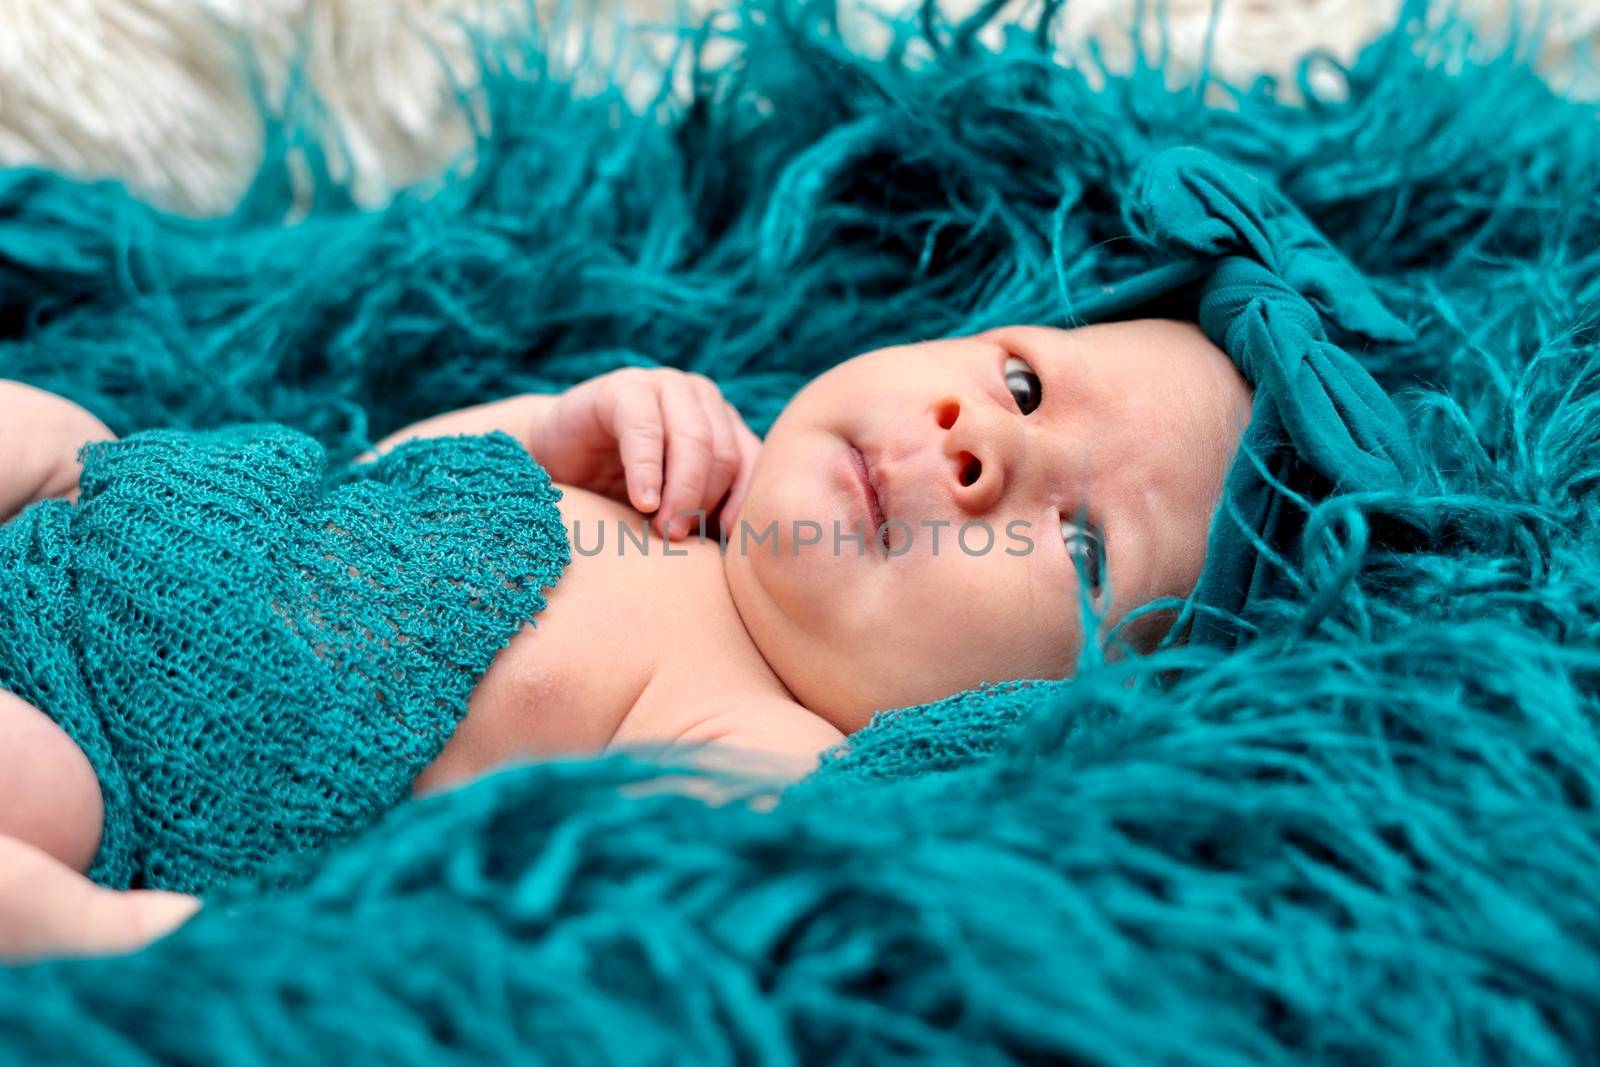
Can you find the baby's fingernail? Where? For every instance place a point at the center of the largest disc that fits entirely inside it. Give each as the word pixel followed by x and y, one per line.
pixel 649 498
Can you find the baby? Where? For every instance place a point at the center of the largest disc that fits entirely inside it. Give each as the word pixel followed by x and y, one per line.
pixel 920 520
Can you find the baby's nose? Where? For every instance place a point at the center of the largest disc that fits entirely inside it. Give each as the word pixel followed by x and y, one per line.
pixel 973 444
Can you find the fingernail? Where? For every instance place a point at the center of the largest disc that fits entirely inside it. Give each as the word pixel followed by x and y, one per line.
pixel 649 498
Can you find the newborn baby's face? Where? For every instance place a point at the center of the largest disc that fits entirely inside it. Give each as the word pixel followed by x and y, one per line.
pixel 1007 434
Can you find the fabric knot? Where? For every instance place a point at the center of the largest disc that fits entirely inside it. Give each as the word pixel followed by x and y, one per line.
pixel 1275 295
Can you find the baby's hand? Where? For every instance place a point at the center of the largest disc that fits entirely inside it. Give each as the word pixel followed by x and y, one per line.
pixel 40 434
pixel 609 434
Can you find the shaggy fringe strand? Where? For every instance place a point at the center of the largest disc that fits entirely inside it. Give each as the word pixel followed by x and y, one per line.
pixel 1369 836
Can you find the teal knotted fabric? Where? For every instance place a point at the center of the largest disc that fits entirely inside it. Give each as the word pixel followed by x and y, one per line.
pixel 256 653
pixel 1371 841
pixel 1273 293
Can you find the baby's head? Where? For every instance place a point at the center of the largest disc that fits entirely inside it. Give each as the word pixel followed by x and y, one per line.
pixel 1130 426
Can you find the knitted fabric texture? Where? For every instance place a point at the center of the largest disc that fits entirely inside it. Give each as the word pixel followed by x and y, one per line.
pixel 257 656
pixel 1367 831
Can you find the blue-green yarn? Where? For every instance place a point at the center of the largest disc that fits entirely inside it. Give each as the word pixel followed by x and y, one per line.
pixel 1368 832
pixel 259 655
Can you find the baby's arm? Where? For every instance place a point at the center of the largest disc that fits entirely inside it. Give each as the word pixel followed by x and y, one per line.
pixel 40 434
pixel 50 807
pixel 517 416
pixel 656 438
pixel 47 909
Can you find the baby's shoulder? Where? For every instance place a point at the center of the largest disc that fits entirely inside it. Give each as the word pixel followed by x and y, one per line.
pixel 627 616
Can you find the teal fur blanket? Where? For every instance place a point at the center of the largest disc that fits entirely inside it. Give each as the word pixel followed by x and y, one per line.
pixel 1371 835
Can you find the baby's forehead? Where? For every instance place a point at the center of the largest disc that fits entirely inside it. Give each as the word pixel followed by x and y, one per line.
pixel 1157 378
pixel 1022 334
pixel 1129 332
pixel 1161 346
pixel 1051 351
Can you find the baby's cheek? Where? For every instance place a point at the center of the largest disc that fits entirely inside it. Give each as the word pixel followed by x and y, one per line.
pixel 1015 623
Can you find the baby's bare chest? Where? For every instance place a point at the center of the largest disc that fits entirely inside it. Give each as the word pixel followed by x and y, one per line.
pixel 629 619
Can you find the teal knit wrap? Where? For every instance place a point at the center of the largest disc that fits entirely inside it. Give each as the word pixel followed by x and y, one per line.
pixel 257 655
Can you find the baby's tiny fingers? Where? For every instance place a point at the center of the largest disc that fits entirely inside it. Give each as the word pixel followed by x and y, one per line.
pixel 689 443
pixel 724 445
pixel 749 446
pixel 637 422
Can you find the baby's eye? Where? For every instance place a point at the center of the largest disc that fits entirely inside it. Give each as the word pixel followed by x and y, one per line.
pixel 1088 552
pixel 1024 385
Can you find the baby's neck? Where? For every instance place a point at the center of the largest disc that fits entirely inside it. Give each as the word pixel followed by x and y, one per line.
pixel 713 684
pixel 639 646
pixel 719 638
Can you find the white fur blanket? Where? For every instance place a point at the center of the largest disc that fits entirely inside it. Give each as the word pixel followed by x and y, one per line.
pixel 155 91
